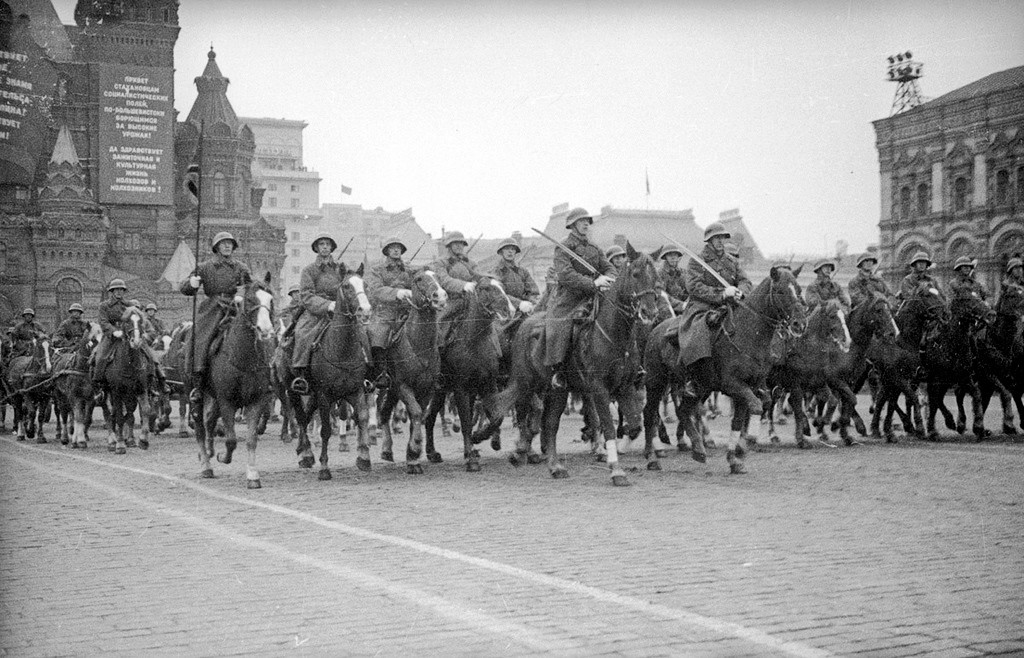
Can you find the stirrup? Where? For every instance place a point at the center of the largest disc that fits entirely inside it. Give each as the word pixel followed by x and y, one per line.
pixel 300 386
pixel 195 396
pixel 368 386
pixel 557 380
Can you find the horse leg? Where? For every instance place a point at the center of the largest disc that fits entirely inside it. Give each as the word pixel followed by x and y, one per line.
pixel 978 413
pixel 326 429
pixel 430 417
pixel 554 404
pixel 414 448
pixel 1005 399
pixel 602 407
pixel 144 411
pixel 464 407
pixel 305 410
pixel 936 391
pixel 252 437
pixel 652 418
pixel 386 406
pixel 751 405
pixel 847 407
pixel 961 416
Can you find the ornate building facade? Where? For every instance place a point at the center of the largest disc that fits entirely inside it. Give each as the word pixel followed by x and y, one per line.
pixel 952 178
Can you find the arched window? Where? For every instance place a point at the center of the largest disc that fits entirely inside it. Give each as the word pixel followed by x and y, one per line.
pixel 960 194
pixel 904 202
pixel 1002 186
pixel 220 190
pixel 922 200
pixel 69 291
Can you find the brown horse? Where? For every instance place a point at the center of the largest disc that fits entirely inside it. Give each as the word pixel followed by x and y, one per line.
pixel 738 365
pixel 28 389
pixel 602 366
pixel 73 390
pixel 336 374
pixel 239 379
pixel 470 367
pixel 414 365
pixel 126 380
pixel 179 379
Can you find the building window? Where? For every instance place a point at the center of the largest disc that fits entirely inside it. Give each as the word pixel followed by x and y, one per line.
pixel 1002 186
pixel 922 200
pixel 69 291
pixel 295 188
pixel 960 194
pixel 272 202
pixel 904 202
pixel 220 190
pixel 295 203
pixel 272 187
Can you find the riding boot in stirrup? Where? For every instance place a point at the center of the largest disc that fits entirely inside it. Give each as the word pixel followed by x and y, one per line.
pixel 299 385
pixel 688 390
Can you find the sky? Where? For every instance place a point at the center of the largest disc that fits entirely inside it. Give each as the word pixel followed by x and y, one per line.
pixel 484 115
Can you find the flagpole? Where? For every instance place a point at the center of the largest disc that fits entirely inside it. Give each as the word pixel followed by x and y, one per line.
pixel 199 212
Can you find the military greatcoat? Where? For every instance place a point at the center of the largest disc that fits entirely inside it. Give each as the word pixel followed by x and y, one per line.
pixel 575 286
pixel 453 272
pixel 706 293
pixel 911 282
pixel 383 282
pixel 863 286
pixel 70 332
pixel 674 283
pixel 22 335
pixel 318 287
pixel 518 283
pixel 962 287
pixel 821 291
pixel 222 279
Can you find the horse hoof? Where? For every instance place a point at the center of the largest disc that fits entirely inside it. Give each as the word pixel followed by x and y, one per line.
pixel 120 450
pixel 515 459
pixel 456 428
pixel 700 457
pixel 654 466
pixel 144 444
pixel 434 457
pixel 601 458
pixel 931 436
pixel 661 454
pixel 207 474
pixel 131 443
pixel 324 474
pixel 306 462
pixel 534 458
pixel 363 464
pixel 253 484
pixel 560 474
pixel 64 442
pixel 21 438
pixel 737 469
pixel 414 469
pixel 41 439
pixel 387 455
pixel 620 481
pixel 472 467
pixel 80 446
pixel 343 446
pixel 110 446
pixel 682 447
pixel 1009 430
pixel 183 434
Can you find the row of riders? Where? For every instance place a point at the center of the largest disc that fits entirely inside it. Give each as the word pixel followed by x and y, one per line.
pixel 610 327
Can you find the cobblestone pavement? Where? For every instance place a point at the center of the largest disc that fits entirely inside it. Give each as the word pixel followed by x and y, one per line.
pixel 879 550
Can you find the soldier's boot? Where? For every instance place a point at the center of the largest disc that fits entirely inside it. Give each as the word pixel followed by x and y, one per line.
pixel 299 384
pixel 377 376
pixel 688 390
pixel 195 396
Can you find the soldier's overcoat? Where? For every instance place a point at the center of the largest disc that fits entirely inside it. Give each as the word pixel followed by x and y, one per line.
pixel 575 286
pixel 706 294
pixel 222 279
pixel 318 287
pixel 383 282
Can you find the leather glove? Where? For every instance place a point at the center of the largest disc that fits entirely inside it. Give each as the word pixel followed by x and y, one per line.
pixel 194 281
pixel 731 292
pixel 469 286
pixel 403 293
pixel 118 333
pixel 603 282
pixel 331 306
pixel 239 299
pixel 525 307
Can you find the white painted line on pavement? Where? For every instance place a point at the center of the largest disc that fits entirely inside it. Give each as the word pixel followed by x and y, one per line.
pixel 517 633
pixel 752 635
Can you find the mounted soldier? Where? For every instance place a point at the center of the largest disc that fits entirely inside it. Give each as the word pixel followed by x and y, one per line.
pixel 114 315
pixel 963 284
pixel 1013 281
pixel 863 286
pixel 458 275
pixel 290 313
pixel 156 328
pixel 389 287
pixel 71 330
pixel 824 289
pixel 577 285
pixel 24 332
pixel 318 290
pixel 616 255
pixel 707 295
pixel 223 280
pixel 516 280
pixel 672 279
pixel 919 277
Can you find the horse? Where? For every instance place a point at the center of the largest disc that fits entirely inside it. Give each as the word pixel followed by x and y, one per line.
pixel 337 371
pixel 1002 354
pixel 126 380
pixel 603 364
pixel 27 379
pixel 738 364
pixel 471 368
pixel 414 366
pixel 281 377
pixel 73 389
pixel 239 378
pixel 160 397
pixel 179 379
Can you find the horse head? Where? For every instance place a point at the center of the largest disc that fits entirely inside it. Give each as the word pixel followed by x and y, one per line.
pixel 494 301
pixel 784 303
pixel 873 317
pixel 838 330
pixel 637 286
pixel 352 300
pixel 426 290
pixel 258 307
pixel 969 314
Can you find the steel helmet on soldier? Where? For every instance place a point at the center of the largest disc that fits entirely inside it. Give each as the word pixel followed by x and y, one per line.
pixel 575 215
pixel 509 242
pixel 867 255
pixel 670 249
pixel 116 284
pixel 920 256
pixel 28 311
pixel 453 237
pixel 151 306
pixel 963 261
pixel 323 236
pixel 221 237
pixel 76 307
pixel 715 229
pixel 824 263
pixel 613 251
pixel 390 241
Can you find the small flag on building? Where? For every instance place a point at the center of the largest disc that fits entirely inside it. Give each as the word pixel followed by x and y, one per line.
pixel 647 180
pixel 345 189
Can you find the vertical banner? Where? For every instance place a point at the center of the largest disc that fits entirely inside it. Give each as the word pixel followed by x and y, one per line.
pixel 136 135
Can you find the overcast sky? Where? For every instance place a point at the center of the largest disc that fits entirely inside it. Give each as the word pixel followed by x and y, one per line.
pixel 482 116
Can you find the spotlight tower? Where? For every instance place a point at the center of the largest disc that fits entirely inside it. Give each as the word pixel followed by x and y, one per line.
pixel 905 71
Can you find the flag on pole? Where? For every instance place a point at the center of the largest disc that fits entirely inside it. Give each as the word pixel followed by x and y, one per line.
pixel 647 180
pixel 345 189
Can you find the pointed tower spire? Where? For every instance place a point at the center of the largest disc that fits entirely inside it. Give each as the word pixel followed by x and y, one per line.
pixel 65 177
pixel 212 105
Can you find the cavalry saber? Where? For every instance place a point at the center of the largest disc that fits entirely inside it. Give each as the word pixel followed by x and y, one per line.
pixel 474 244
pixel 700 261
pixel 572 254
pixel 344 249
pixel 417 251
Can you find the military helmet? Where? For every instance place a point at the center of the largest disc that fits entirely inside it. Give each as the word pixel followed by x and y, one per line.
pixel 294 288
pixel 453 237
pixel 509 242
pixel 116 284
pixel 920 256
pixel 76 307
pixel 867 255
pixel 1012 263
pixel 732 249
pixel 577 214
pixel 323 236
pixel 390 241
pixel 963 261
pixel 670 249
pixel 715 229
pixel 221 237
pixel 151 306
pixel 28 311
pixel 613 251
pixel 827 262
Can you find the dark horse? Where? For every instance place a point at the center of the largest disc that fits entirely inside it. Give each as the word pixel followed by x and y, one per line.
pixel 336 374
pixel 470 367
pixel 239 378
pixel 414 365
pixel 72 389
pixel 1003 355
pixel 179 379
pixel 738 364
pixel 126 380
pixel 27 382
pixel 602 365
